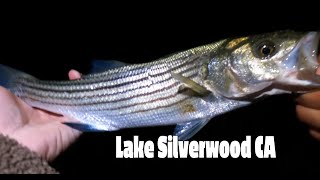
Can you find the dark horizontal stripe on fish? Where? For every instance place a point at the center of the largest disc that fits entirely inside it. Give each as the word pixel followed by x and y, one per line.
pixel 31 83
pixel 118 100
pixel 117 108
pixel 105 88
pixel 127 91
pixel 162 60
pixel 134 68
pixel 79 83
pixel 52 88
pixel 145 103
pixel 159 107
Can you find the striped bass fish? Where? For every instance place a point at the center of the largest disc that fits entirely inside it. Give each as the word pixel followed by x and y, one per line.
pixel 186 89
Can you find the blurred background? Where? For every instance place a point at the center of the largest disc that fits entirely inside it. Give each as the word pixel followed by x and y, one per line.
pixel 48 42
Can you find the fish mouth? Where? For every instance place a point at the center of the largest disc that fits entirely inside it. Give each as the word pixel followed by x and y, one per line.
pixel 310 47
pixel 302 76
pixel 308 61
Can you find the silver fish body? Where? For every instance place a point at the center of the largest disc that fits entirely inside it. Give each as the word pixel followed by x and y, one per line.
pixel 188 88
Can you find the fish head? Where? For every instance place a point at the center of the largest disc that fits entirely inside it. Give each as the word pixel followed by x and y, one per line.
pixel 274 63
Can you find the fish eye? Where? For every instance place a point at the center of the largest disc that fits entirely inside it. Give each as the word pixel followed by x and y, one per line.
pixel 265 49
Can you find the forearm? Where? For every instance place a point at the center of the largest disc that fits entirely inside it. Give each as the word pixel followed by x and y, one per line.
pixel 17 159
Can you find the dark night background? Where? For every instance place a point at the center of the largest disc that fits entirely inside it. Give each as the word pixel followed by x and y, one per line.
pixel 48 44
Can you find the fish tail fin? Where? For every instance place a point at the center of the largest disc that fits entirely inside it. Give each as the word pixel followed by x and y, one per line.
pixel 9 75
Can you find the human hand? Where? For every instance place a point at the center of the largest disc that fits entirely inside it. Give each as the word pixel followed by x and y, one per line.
pixel 308 111
pixel 38 130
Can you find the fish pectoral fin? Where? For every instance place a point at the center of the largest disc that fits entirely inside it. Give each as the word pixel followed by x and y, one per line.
pixel 189 83
pixel 98 66
pixel 187 130
pixel 88 128
pixel 81 127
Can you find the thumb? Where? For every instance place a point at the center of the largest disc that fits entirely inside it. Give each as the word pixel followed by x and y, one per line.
pixel 74 74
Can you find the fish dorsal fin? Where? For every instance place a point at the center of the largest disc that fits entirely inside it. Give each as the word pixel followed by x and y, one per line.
pixel 98 66
pixel 189 83
pixel 187 130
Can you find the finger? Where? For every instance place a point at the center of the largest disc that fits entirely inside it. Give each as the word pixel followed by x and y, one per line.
pixel 318 70
pixel 310 100
pixel 315 134
pixel 309 116
pixel 73 74
pixel 4 91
